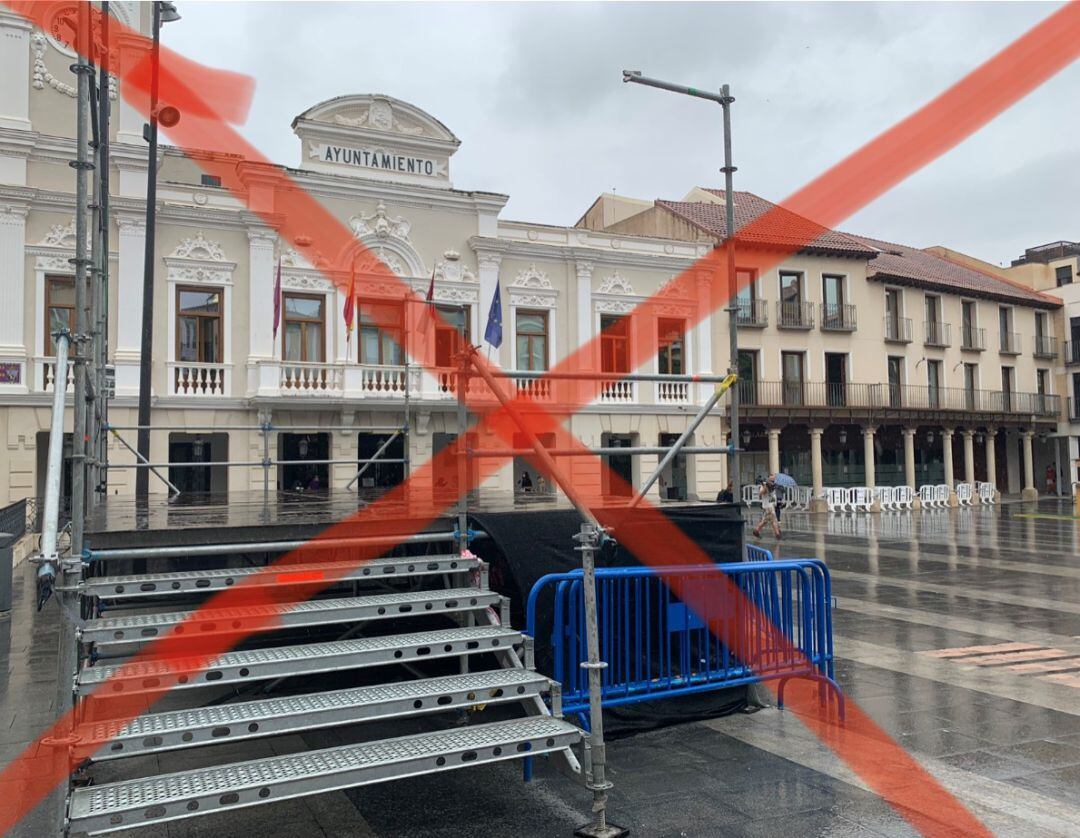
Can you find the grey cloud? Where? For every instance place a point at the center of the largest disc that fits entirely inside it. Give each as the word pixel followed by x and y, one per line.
pixel 535 93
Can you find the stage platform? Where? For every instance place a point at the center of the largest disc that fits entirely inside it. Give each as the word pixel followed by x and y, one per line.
pixel 251 516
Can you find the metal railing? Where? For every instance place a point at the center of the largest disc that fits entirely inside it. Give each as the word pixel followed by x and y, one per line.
pixel 1071 353
pixel 752 313
pixel 972 339
pixel 1009 343
pixel 682 630
pixel 1046 346
pixel 898 329
pixel 937 333
pixel 909 396
pixel 794 315
pixel 837 317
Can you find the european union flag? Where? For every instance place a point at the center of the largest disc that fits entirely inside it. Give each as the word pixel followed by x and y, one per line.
pixel 493 332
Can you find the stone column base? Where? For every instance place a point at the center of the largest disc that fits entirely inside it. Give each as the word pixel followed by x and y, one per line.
pixel 953 502
pixel 916 504
pixel 1029 494
pixel 818 505
pixel 875 506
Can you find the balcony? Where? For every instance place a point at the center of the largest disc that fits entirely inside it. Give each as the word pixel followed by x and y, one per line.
pixel 972 339
pixel 752 314
pixel 936 333
pixel 1009 343
pixel 197 379
pixel 1072 353
pixel 837 317
pixel 820 394
pixel 673 392
pixel 898 329
pixel 292 379
pixel 618 392
pixel 45 374
pixel 794 315
pixel 1046 347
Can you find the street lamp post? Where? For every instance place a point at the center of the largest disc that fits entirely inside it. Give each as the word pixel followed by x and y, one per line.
pixel 163 12
pixel 724 99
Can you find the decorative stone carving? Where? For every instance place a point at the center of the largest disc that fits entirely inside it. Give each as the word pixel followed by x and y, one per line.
pixel 450 269
pixel 380 115
pixel 39 43
pixel 60 235
pixel 380 224
pixel 488 259
pixel 676 286
pixel 306 282
pixel 54 264
pixel 378 259
pixel 290 258
pixel 616 284
pixel 532 300
pixel 614 306
pixel 532 277
pixel 199 247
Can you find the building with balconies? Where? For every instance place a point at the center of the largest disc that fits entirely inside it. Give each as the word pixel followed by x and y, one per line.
pixel 859 360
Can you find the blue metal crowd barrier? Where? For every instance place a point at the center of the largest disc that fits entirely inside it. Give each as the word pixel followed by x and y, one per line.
pixel 656 646
pixel 758 554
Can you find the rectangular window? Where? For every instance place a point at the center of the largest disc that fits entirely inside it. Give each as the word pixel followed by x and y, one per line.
pixel 59 310
pixel 198 325
pixel 209 180
pixel 1006 387
pixel 748 376
pixel 893 309
pixel 532 340
pixel 791 369
pixel 305 329
pixel 1040 326
pixel 968 324
pixel 790 287
pixel 381 334
pixel 835 379
pixel 671 338
pixel 933 383
pixel 746 280
pixel 896 381
pixel 1004 325
pixel 832 295
pixel 614 343
pixel 970 384
pixel 1063 274
pixel 451 334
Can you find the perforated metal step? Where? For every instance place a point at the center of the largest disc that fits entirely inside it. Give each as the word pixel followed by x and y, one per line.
pixel 159 584
pixel 110 632
pixel 123 805
pixel 257 664
pixel 230 722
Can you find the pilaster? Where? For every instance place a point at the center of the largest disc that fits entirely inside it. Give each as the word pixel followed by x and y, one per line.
pixel 13 354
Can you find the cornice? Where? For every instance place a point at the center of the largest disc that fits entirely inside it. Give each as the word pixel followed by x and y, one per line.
pixel 578 253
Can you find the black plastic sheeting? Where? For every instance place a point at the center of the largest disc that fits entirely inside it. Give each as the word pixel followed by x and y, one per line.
pixel 526 545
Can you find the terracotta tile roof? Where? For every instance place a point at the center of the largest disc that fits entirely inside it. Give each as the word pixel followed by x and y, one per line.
pixel 887 261
pixel 911 266
pixel 777 226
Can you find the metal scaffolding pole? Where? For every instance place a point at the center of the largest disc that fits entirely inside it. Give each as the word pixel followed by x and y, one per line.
pixel 101 453
pixel 637 450
pixel 592 536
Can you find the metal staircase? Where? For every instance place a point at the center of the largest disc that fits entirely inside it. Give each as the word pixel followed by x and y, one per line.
pixel 380 646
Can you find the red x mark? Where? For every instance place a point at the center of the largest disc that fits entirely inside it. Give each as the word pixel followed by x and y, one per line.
pixel 210 99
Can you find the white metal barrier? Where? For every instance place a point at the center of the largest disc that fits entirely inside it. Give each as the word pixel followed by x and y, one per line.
pixel 964 494
pixel 886 498
pixel 903 497
pixel 987 492
pixel 750 495
pixel 836 499
pixel 926 495
pixel 861 499
pixel 798 498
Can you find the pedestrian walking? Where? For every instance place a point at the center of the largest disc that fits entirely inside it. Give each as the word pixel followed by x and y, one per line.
pixel 767 494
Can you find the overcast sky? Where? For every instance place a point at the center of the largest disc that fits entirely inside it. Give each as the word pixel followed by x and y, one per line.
pixel 534 92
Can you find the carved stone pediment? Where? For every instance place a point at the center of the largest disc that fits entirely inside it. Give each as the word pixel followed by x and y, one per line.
pixel 616 284
pixel 199 247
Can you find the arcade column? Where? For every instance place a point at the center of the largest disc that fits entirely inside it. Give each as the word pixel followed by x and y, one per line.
pixel 991 456
pixel 969 461
pixel 946 445
pixel 774 450
pixel 909 463
pixel 817 503
pixel 1029 492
